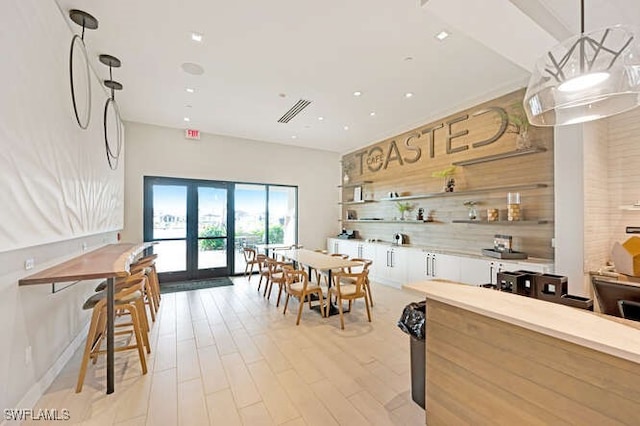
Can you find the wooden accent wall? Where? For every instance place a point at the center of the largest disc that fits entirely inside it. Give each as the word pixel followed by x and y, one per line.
pixel 485 371
pixel 400 170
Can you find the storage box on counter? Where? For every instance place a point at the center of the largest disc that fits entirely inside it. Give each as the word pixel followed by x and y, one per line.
pixel 510 281
pixel 626 256
pixel 551 287
pixel 526 286
pixel 577 302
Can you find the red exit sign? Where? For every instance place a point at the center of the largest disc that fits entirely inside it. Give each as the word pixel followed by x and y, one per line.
pixel 192 134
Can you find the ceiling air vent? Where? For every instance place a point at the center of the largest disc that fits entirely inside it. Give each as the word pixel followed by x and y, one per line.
pixel 295 110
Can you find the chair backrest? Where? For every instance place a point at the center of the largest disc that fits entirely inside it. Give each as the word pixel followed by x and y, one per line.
pixel 355 278
pixel 249 254
pixel 295 276
pixel 629 310
pixel 608 292
pixel 276 267
pixel 344 256
pixel 364 265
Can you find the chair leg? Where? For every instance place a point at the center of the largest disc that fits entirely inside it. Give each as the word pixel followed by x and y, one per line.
pixel 136 329
pixel 366 304
pixel 91 336
pixel 280 285
pixel 300 306
pixel 341 313
pixel 144 323
pixel 322 308
pixel 286 303
pixel 368 285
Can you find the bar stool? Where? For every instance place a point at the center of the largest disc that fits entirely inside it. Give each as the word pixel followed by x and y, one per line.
pixel 127 298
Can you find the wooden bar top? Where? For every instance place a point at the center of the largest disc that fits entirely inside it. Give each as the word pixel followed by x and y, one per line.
pixel 569 324
pixel 109 261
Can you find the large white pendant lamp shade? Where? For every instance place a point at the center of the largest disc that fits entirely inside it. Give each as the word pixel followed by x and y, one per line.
pixel 586 77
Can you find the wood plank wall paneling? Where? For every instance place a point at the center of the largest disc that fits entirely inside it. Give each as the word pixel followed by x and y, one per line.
pixel 485 371
pixel 416 178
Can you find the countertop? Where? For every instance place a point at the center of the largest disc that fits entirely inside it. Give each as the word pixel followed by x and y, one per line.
pixel 613 337
pixel 536 260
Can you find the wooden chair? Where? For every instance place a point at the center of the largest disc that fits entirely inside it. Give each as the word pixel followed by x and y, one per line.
pixel 251 260
pixel 276 276
pixel 127 298
pixel 365 264
pixel 297 285
pixel 333 271
pixel 349 286
pixel 263 271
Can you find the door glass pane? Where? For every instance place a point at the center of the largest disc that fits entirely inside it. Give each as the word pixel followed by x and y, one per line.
pixel 169 211
pixel 282 215
pixel 212 227
pixel 250 205
pixel 172 256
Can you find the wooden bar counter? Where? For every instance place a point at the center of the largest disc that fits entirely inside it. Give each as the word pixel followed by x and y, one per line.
pixel 108 262
pixel 499 358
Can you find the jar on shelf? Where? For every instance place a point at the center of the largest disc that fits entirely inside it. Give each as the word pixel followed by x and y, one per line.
pixel 513 206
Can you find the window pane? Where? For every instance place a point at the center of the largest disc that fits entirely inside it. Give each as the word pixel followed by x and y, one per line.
pixel 212 253
pixel 282 215
pixel 169 211
pixel 172 256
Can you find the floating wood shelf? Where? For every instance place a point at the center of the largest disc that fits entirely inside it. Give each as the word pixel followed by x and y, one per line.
pixel 503 222
pixel 631 207
pixel 401 222
pixel 356 202
pixel 496 157
pixel 354 184
pixel 469 191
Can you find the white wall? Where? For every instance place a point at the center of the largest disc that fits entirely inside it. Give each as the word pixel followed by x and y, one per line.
pixel 161 151
pixel 569 205
pixel 53 181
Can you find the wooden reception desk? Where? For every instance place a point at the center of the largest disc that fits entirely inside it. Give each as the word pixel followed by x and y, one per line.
pixel 500 358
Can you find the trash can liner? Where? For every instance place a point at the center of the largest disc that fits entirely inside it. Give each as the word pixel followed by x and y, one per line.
pixel 413 318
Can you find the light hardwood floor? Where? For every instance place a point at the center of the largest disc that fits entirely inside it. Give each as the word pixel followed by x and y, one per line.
pixel 228 356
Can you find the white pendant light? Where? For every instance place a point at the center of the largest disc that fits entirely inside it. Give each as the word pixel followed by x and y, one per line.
pixel 586 77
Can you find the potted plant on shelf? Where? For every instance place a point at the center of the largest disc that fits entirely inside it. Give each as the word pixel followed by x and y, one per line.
pixel 446 174
pixel 403 208
pixel 519 124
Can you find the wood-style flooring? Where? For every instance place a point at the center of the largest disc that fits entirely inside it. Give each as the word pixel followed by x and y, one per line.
pixel 228 356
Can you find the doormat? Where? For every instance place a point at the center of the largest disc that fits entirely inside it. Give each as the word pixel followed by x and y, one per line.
pixel 194 285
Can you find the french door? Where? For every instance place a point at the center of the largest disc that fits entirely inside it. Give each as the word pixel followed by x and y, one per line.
pixel 189 221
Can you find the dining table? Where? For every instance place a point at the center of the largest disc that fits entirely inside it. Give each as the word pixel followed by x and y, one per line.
pixel 266 248
pixel 108 262
pixel 321 262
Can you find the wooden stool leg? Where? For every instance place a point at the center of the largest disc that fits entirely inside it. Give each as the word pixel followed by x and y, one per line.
pixel 144 323
pixel 136 329
pixel 91 336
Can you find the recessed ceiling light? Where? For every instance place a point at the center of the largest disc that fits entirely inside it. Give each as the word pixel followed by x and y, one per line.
pixel 357 93
pixel 408 95
pixel 294 137
pixel 346 127
pixel 372 113
pixel 442 35
pixel 320 118
pixel 408 58
pixel 187 119
pixel 190 90
pixel 196 37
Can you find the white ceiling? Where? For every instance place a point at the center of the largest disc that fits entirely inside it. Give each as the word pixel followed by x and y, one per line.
pixel 323 51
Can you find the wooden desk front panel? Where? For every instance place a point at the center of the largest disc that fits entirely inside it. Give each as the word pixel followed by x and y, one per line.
pixel 485 371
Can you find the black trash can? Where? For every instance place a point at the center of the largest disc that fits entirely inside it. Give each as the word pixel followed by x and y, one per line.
pixel 412 322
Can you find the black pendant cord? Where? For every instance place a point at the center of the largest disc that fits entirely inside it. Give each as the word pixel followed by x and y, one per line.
pixel 581 17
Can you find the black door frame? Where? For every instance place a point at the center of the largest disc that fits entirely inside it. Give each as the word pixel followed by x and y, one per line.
pixel 191 239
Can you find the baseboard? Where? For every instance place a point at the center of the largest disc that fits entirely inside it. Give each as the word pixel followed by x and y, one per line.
pixel 36 391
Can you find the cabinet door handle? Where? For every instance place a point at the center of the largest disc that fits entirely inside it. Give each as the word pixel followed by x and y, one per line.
pixel 426 265
pixel 491 273
pixel 433 265
pixel 388 258
pixel 392 258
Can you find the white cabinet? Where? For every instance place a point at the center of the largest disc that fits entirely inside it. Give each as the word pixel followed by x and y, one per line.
pixel 391 265
pixel 475 271
pixel 336 245
pixel 425 265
